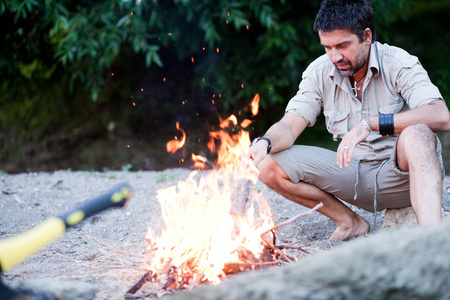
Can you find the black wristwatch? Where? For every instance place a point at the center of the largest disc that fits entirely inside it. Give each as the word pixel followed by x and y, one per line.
pixel 269 146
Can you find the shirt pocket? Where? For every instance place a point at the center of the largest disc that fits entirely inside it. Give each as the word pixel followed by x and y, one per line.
pixel 336 122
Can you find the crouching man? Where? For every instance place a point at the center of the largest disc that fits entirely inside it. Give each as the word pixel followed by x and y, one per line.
pixel 379 101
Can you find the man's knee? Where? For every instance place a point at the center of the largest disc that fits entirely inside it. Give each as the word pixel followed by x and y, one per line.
pixel 416 138
pixel 269 171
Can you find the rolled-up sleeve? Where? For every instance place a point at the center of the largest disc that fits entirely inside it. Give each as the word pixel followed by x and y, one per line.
pixel 414 84
pixel 307 103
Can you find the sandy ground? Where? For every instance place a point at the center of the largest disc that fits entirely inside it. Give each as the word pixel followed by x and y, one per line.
pixel 107 250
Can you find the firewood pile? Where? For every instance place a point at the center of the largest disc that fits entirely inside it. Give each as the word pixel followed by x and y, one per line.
pixel 171 279
pixel 210 232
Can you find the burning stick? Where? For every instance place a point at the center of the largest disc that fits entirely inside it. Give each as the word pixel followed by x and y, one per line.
pixel 149 276
pixel 271 245
pixel 245 198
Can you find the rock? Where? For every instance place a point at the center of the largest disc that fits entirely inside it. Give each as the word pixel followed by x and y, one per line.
pixel 399 217
pixel 407 263
pixel 51 289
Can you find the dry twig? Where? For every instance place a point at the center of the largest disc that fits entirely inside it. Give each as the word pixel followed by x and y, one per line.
pixel 271 245
pixel 114 250
pixel 289 221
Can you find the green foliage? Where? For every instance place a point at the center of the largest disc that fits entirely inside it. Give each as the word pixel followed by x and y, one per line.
pixel 266 58
pixel 55 56
pixel 263 46
pixel 424 34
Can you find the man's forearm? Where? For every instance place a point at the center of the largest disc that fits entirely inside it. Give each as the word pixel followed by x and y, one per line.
pixel 284 133
pixel 435 115
pixel 280 137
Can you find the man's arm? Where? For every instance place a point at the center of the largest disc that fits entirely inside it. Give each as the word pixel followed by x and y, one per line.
pixel 281 134
pixel 435 115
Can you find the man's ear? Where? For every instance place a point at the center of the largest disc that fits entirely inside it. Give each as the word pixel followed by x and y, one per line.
pixel 368 36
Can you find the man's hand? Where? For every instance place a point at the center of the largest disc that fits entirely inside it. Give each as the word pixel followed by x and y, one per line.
pixel 282 134
pixel 256 153
pixel 348 143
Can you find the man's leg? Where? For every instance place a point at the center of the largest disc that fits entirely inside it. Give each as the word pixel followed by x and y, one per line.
pixel 349 224
pixel 416 153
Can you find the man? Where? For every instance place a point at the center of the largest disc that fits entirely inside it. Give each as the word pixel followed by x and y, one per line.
pixel 379 101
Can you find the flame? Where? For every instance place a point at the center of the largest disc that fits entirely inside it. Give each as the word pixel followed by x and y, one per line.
pixel 246 123
pixel 231 148
pixel 200 234
pixel 211 145
pixel 173 145
pixel 203 230
pixel 199 161
pixel 255 105
pixel 225 123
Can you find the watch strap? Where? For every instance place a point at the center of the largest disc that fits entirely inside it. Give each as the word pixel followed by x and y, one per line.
pixel 269 143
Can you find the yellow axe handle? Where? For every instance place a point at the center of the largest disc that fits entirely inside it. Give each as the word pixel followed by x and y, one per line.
pixel 14 249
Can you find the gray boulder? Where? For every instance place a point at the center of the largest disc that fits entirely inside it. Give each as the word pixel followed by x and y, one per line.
pixel 51 289
pixel 408 263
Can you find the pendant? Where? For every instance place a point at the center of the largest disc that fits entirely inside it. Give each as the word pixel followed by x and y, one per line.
pixel 355 89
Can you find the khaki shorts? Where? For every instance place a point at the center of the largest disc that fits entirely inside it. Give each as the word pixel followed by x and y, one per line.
pixel 358 184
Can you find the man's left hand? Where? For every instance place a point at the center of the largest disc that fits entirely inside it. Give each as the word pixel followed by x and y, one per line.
pixel 348 144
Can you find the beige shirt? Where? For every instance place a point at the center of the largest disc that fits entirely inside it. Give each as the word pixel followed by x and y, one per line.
pixel 395 81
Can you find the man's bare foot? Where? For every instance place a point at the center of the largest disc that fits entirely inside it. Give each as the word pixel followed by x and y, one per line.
pixel 346 232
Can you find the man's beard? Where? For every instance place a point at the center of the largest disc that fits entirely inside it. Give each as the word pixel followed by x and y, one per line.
pixel 360 61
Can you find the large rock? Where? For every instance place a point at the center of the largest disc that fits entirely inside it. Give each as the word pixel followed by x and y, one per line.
pixel 399 217
pixel 51 289
pixel 409 263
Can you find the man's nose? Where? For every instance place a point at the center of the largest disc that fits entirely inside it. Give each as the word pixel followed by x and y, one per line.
pixel 335 55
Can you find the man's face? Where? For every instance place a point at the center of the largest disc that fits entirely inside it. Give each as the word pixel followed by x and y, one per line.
pixel 344 50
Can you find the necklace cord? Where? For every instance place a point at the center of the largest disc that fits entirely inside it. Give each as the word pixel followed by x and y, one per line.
pixel 357 81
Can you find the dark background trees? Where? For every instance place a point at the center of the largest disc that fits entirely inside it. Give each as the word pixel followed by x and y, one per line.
pixel 101 84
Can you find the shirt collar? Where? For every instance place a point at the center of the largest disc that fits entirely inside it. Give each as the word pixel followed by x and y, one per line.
pixel 374 63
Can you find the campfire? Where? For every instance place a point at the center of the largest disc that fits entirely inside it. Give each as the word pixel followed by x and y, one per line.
pixel 215 223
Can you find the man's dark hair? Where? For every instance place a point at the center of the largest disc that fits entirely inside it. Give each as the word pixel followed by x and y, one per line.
pixel 352 15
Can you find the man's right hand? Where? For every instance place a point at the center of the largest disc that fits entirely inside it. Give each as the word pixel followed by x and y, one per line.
pixel 255 154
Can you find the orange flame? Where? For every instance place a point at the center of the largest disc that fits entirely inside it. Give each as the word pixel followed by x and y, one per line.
pixel 199 161
pixel 202 230
pixel 255 105
pixel 231 148
pixel 173 145
pixel 200 234
pixel 211 145
pixel 246 123
pixel 225 123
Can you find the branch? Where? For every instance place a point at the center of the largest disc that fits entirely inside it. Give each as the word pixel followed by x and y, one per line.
pixel 289 221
